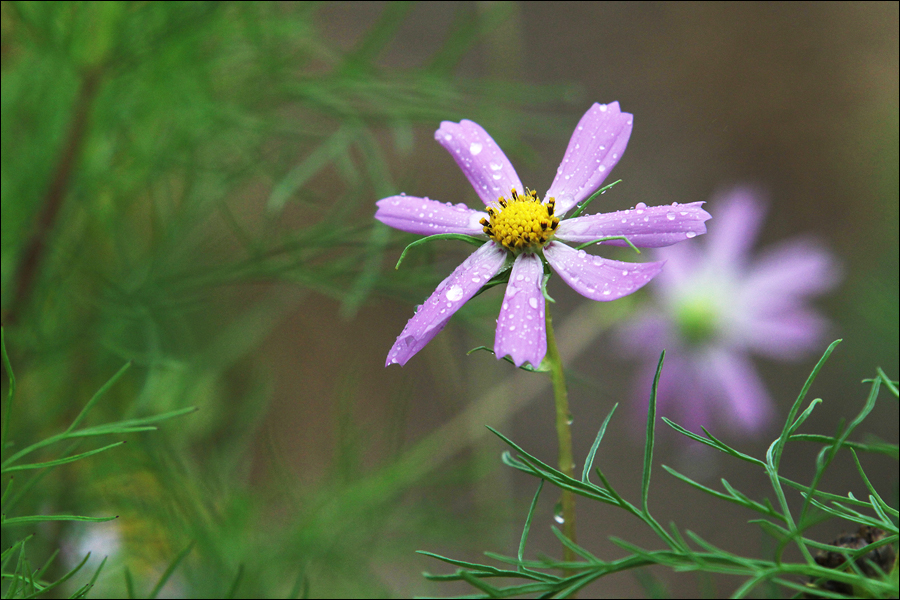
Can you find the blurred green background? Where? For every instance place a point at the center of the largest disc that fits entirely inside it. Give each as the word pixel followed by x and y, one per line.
pixel 190 186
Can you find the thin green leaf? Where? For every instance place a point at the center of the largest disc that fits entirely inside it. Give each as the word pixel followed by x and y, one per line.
pixel 169 570
pixel 462 563
pixel 589 462
pixel 580 208
pixel 608 239
pixel 746 502
pixel 874 496
pixel 44 518
pixel 777 447
pixel 528 518
pixel 889 383
pixel 574 547
pixel 96 397
pixel 129 584
pixel 61 461
pixel 12 389
pixel 439 236
pixel 650 437
pixel 803 416
pixel 237 582
pixel 882 448
pixel 64 578
pixel 713 443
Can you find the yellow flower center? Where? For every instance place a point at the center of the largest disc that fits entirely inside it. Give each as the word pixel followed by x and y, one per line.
pixel 521 224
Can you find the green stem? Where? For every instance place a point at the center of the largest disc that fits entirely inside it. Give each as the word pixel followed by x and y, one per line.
pixel 564 433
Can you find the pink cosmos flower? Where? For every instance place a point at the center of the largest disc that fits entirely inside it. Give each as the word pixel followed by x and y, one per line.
pixel 714 306
pixel 523 233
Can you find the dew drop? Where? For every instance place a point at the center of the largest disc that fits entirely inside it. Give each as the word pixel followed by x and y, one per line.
pixel 533 303
pixel 690 234
pixel 448 137
pixel 670 216
pixel 454 293
pixel 558 513
pixel 496 166
pixel 640 205
pixel 475 148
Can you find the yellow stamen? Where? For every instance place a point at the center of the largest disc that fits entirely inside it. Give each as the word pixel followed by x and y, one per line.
pixel 522 223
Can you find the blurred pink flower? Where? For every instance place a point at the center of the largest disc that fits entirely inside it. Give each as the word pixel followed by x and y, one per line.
pixel 522 231
pixel 715 305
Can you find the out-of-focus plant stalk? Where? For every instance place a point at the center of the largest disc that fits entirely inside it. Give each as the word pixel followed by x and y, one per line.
pixel 33 253
pixel 563 433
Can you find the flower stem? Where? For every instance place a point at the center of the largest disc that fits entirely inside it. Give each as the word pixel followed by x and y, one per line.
pixel 564 433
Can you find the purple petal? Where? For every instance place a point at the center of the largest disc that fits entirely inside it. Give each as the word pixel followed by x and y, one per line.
pixel 596 277
pixel 739 217
pixel 786 335
pixel 450 295
pixel 594 149
pixel 428 217
pixel 742 396
pixel 645 227
pixel 521 330
pixel 646 333
pixel 790 271
pixel 480 158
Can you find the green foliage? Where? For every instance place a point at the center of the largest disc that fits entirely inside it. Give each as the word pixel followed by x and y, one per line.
pixel 686 551
pixel 19 578
pixel 177 178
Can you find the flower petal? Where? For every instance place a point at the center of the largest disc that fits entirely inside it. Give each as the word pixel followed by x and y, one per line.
pixel 450 295
pixel 480 158
pixel 594 149
pixel 596 277
pixel 739 217
pixel 788 272
pixel 521 330
pixel 428 217
pixel 788 334
pixel 742 399
pixel 645 227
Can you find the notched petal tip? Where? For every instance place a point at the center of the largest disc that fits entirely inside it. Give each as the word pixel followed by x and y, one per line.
pixel 596 145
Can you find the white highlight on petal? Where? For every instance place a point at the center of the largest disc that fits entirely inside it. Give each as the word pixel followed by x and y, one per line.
pixel 455 292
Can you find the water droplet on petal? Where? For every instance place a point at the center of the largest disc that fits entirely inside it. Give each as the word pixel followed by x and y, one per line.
pixel 533 303
pixel 670 216
pixel 454 293
pixel 475 148
pixel 690 234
